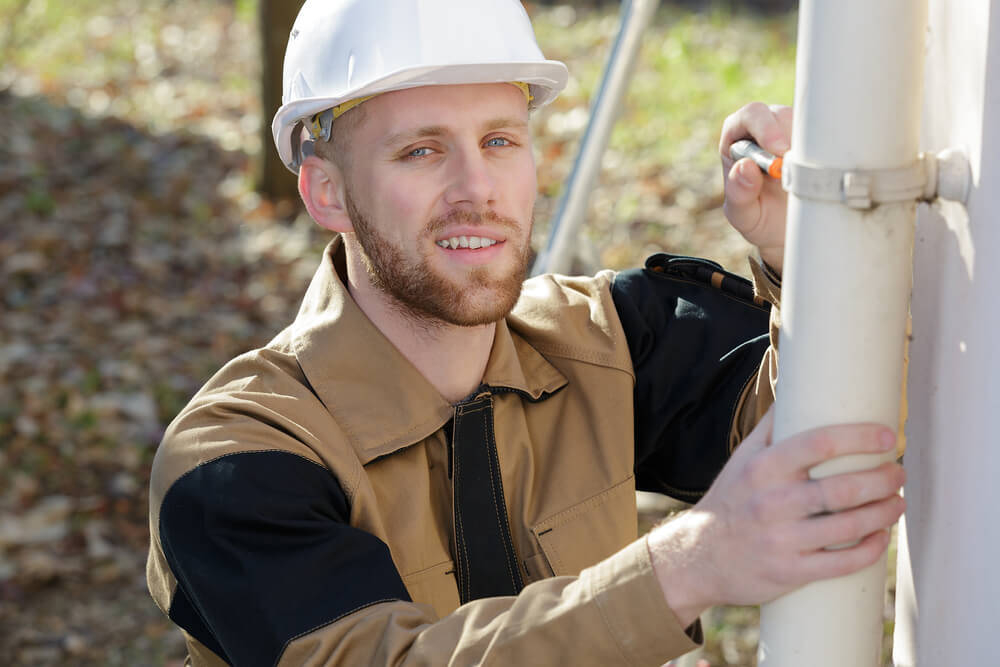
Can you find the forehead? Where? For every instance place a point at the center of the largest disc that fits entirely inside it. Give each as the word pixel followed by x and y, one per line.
pixel 468 106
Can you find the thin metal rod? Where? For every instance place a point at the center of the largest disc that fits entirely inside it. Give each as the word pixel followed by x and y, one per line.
pixel 557 256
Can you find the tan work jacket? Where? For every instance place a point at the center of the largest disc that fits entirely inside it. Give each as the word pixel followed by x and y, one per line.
pixel 328 436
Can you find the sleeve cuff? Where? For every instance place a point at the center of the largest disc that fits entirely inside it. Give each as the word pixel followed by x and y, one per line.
pixel 628 596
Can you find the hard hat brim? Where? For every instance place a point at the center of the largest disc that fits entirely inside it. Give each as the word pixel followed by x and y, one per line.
pixel 547 78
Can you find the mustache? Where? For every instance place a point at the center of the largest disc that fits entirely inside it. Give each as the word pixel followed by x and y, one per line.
pixel 472 218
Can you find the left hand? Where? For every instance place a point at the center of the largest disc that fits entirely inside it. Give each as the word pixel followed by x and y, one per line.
pixel 755 203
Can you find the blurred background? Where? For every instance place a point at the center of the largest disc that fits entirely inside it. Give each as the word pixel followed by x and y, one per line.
pixel 144 242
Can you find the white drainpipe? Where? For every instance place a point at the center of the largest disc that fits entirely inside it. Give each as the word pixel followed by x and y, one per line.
pixel 847 280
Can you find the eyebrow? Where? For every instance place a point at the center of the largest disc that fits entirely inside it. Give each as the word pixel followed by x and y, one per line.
pixel 407 136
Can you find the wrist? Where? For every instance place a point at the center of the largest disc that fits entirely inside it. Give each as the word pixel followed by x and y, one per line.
pixel 674 552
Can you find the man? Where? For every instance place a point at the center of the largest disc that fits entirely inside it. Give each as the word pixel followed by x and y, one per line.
pixel 435 464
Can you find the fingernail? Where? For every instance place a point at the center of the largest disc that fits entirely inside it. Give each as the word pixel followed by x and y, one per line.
pixel 886 440
pixel 781 145
pixel 741 176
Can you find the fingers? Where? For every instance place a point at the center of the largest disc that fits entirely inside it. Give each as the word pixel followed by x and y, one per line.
pixel 849 526
pixel 769 126
pixel 804 498
pixel 826 564
pixel 840 492
pixel 755 204
pixel 743 185
pixel 798 453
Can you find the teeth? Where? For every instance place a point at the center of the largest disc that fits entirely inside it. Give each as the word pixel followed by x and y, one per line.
pixel 471 242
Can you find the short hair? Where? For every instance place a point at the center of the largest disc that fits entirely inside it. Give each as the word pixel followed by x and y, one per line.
pixel 337 148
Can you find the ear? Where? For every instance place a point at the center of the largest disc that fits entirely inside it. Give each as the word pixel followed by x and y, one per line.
pixel 321 184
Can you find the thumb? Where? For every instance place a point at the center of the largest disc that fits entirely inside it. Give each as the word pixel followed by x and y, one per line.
pixel 744 184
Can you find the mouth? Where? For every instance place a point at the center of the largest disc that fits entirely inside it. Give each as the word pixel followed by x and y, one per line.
pixel 470 242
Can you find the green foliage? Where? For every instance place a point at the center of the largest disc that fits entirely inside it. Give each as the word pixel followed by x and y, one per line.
pixel 695 69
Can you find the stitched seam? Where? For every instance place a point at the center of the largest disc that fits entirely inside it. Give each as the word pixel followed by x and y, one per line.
pixel 420 574
pixel 493 457
pixel 247 451
pixel 177 585
pixel 399 442
pixel 284 647
pixel 579 354
pixel 463 554
pixel 596 500
pixel 607 624
pixel 556 561
pixel 166 546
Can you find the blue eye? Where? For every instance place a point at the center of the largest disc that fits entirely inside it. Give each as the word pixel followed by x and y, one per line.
pixel 419 152
pixel 497 141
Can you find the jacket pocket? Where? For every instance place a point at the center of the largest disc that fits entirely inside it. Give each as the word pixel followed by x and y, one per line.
pixel 435 586
pixel 589 531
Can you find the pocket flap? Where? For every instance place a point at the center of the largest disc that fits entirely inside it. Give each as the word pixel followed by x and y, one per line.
pixel 590 531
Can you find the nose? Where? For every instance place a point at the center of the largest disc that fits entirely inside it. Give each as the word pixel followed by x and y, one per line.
pixel 472 182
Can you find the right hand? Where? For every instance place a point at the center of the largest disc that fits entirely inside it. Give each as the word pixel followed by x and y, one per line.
pixel 762 528
pixel 755 205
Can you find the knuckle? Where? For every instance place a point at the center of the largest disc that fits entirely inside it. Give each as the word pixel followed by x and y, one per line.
pixel 822 445
pixel 817 501
pixel 842 492
pixel 896 505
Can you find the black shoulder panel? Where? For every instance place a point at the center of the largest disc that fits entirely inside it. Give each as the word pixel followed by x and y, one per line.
pixel 696 335
pixel 262 549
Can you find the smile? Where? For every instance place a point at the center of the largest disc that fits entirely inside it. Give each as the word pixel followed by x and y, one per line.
pixel 472 242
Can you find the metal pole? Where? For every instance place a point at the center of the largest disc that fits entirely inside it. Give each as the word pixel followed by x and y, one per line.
pixel 557 255
pixel 847 278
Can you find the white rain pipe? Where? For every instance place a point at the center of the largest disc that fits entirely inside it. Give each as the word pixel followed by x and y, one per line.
pixel 847 279
pixel 558 254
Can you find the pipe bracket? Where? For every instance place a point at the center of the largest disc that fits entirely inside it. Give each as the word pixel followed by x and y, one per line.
pixel 946 174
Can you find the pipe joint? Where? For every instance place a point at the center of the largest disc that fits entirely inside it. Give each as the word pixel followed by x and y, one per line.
pixel 949 175
pixel 946 174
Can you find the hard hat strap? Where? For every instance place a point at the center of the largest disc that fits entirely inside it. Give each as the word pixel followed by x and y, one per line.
pixel 524 89
pixel 320 126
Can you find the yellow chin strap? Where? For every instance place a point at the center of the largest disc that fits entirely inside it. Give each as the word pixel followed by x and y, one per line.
pixel 316 124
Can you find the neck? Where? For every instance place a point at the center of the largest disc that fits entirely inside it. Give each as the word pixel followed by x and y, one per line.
pixel 452 358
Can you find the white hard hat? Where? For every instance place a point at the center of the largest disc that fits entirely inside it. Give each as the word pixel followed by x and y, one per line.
pixel 341 50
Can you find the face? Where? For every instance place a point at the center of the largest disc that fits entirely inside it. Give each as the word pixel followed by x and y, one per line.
pixel 440 187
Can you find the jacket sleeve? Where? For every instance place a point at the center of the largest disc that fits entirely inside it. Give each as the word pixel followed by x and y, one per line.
pixel 704 358
pixel 270 572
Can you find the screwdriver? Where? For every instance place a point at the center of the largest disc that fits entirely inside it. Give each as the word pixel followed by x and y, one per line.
pixel 769 164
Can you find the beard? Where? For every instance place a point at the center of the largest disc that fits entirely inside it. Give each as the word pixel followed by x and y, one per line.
pixel 426 296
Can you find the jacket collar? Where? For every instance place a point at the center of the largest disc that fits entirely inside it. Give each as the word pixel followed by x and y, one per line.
pixel 378 397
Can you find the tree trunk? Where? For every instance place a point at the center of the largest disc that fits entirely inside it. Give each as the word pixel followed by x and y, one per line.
pixel 275 23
